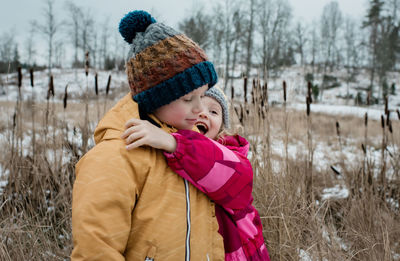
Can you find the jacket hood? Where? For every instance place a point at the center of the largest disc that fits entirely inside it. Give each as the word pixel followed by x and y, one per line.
pixel 237 143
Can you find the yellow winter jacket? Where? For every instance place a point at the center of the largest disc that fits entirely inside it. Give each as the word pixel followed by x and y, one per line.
pixel 129 205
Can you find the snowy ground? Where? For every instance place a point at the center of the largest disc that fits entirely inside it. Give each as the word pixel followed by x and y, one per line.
pixel 75 79
pixel 331 103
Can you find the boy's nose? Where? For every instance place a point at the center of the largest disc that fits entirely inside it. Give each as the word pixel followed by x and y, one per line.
pixel 198 107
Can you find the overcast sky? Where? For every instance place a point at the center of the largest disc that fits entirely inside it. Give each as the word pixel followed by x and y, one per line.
pixel 15 15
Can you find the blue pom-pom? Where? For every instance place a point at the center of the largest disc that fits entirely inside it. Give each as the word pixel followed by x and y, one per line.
pixel 133 22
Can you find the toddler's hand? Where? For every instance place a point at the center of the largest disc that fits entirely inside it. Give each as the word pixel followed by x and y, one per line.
pixel 139 132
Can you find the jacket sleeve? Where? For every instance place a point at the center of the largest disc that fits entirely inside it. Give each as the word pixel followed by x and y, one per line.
pixel 224 175
pixel 104 195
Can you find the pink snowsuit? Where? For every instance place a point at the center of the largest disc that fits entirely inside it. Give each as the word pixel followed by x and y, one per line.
pixel 225 175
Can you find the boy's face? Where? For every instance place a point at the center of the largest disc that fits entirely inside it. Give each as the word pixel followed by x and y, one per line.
pixel 183 113
pixel 210 120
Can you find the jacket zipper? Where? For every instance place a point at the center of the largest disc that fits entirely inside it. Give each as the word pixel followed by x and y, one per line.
pixel 187 249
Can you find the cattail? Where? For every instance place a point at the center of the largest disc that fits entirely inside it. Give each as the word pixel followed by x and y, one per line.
pixel 96 87
pixel 19 77
pixel 309 90
pixel 87 63
pixel 366 119
pixel 386 105
pixel 50 91
pixel 363 148
pixel 232 92
pixel 245 88
pixel 265 91
pixel 387 118
pixel 14 120
pixel 108 85
pixel 335 170
pixel 308 105
pixel 31 74
pixel 382 122
pixel 284 91
pixel 254 91
pixel 398 113
pixel 65 97
pixel 390 126
pixel 337 128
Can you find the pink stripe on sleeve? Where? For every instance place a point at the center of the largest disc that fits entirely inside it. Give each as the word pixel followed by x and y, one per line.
pixel 217 177
pixel 238 255
pixel 247 226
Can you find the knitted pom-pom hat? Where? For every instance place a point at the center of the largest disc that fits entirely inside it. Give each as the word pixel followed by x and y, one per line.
pixel 162 64
pixel 217 94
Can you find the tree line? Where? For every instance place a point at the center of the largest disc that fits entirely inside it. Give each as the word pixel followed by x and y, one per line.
pixel 242 37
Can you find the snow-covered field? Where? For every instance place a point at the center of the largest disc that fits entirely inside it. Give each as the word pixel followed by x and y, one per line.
pixel 331 103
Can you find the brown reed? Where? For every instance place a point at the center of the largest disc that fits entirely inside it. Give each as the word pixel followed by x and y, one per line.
pixel 31 76
pixel 65 99
pixel 245 89
pixel 87 63
pixel 309 91
pixel 96 86
pixel 108 85
pixel 383 158
pixel 284 91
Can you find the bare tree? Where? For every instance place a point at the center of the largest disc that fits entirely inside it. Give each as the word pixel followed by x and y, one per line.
pixel 86 33
pixel 197 26
pixel 217 35
pixel 49 28
pixel 250 32
pixel 59 53
pixel 228 17
pixel 238 34
pixel 30 47
pixel 265 18
pixel 74 24
pixel 373 22
pixel 331 20
pixel 300 40
pixel 314 46
pixel 351 50
pixel 104 40
pixel 7 42
pixel 273 23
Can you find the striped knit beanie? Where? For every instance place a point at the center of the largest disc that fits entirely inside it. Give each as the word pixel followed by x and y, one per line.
pixel 162 65
pixel 216 93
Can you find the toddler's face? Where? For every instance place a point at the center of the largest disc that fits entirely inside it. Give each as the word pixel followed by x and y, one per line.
pixel 183 113
pixel 210 119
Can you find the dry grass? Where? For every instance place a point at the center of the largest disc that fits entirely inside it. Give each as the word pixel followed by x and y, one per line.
pixel 35 216
pixel 365 225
